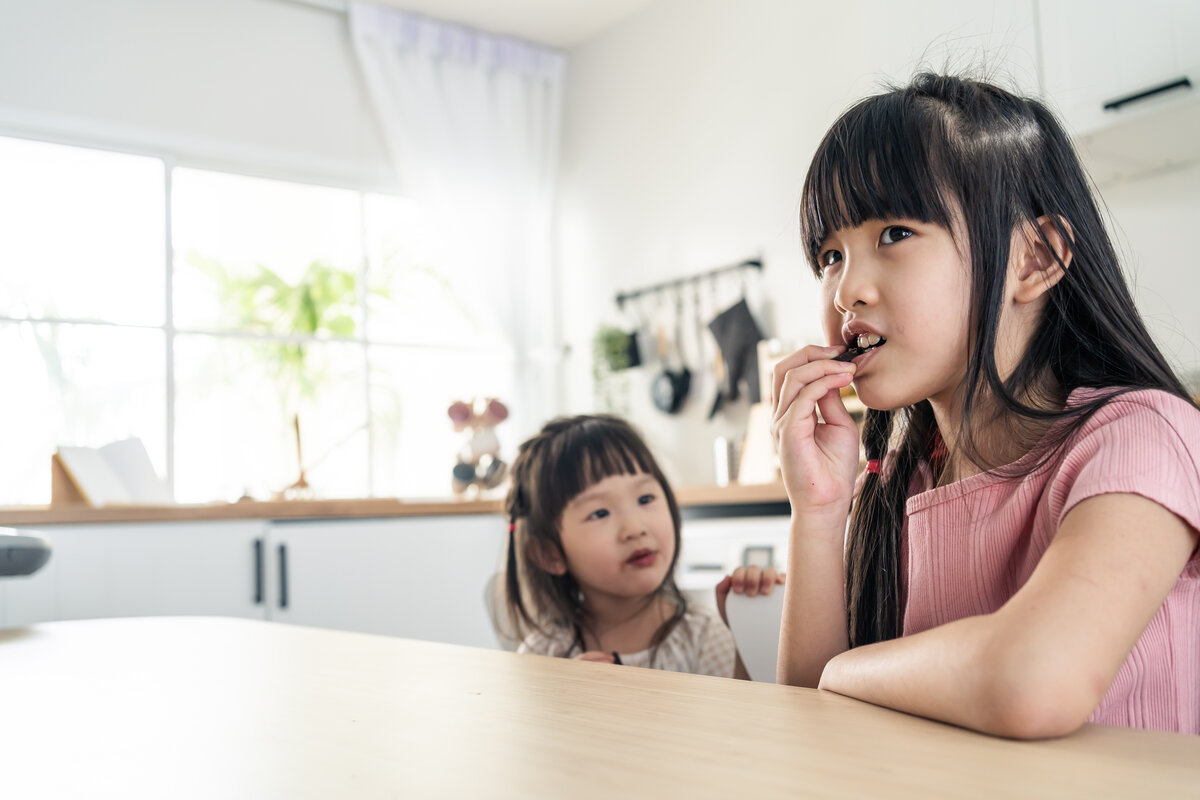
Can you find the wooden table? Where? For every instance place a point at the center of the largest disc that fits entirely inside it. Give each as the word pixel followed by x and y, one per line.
pixel 222 708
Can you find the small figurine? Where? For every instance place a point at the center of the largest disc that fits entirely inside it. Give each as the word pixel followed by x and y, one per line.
pixel 479 463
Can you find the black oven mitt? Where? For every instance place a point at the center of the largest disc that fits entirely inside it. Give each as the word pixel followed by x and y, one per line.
pixel 737 335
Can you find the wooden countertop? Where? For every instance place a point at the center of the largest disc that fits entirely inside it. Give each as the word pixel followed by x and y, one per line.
pixel 687 496
pixel 224 708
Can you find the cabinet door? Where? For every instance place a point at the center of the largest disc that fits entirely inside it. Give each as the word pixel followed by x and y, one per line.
pixel 1094 51
pixel 712 548
pixel 416 577
pixel 141 569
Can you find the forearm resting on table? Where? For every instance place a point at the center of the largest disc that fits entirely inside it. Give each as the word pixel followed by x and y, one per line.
pixel 972 673
pixel 1039 665
pixel 813 629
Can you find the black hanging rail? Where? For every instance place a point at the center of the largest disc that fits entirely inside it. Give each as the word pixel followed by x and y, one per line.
pixel 750 263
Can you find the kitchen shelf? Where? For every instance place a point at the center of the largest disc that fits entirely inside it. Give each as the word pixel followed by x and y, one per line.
pixel 689 496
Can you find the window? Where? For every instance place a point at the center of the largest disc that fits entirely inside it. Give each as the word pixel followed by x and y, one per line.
pixel 282 307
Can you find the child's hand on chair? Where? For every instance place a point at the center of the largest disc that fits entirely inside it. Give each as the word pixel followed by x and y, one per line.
pixel 750 581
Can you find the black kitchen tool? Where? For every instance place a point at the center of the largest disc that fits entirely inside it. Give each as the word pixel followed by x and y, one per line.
pixel 22 553
pixel 671 387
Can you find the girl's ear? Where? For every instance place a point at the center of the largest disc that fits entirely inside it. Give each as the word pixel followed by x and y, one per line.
pixel 547 557
pixel 1042 257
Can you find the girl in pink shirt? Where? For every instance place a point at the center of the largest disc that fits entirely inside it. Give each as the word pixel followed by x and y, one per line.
pixel 1022 548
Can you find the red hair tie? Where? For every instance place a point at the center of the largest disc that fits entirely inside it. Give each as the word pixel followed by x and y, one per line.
pixel 511 527
pixel 873 466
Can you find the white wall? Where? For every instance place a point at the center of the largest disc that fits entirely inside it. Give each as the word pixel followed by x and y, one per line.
pixel 688 132
pixel 263 84
pixel 1155 219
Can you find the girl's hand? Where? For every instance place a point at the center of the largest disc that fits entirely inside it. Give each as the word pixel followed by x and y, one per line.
pixel 750 581
pixel 818 459
pixel 596 655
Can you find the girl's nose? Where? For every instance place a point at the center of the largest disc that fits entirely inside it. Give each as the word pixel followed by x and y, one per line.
pixel 632 530
pixel 856 286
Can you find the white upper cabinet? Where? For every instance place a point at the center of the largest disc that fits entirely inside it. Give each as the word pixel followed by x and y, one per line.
pixel 1096 52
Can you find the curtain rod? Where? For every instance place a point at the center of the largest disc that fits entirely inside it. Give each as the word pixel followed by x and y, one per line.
pixel 749 263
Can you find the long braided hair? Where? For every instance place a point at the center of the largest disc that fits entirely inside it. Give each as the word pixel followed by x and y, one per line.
pixel 567 457
pixel 942 144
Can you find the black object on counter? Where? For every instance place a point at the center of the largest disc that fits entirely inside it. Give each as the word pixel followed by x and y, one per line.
pixel 21 553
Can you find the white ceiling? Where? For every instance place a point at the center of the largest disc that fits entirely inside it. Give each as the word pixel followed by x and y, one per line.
pixel 556 23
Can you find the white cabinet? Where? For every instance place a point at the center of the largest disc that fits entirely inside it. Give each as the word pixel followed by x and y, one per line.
pixel 1097 51
pixel 416 577
pixel 139 569
pixel 714 547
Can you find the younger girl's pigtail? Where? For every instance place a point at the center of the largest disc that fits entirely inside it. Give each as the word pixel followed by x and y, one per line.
pixel 873 566
pixel 512 582
pixel 521 616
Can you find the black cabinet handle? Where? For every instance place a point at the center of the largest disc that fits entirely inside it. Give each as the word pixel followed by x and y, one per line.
pixel 283 593
pixel 1181 83
pixel 258 572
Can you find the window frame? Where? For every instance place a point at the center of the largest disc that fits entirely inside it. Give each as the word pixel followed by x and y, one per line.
pixel 172 161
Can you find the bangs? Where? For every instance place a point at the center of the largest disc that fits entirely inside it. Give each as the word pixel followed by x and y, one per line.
pixel 601 451
pixel 878 161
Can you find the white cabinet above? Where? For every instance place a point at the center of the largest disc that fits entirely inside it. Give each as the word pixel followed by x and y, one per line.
pixel 1095 53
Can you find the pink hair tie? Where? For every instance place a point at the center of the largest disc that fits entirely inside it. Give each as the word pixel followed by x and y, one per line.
pixel 873 466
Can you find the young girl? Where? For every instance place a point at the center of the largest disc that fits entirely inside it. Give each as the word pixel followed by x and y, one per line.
pixel 593 538
pixel 1022 548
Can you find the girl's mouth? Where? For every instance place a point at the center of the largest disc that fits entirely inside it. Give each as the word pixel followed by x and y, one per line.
pixel 862 343
pixel 642 558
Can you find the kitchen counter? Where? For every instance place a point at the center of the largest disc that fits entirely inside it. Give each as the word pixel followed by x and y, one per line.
pixel 694 500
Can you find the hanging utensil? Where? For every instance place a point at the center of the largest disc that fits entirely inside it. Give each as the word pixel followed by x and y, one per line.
pixel 710 354
pixel 671 387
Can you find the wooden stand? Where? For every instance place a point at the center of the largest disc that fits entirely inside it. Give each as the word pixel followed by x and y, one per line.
pixel 63 489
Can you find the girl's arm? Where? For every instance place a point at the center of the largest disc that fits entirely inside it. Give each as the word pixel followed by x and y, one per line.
pixel 818 457
pixel 813 629
pixel 1041 664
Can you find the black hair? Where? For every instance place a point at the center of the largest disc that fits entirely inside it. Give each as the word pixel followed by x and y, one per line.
pixel 552 468
pixel 946 147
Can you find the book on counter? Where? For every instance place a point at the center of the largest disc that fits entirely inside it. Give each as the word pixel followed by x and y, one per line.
pixel 119 473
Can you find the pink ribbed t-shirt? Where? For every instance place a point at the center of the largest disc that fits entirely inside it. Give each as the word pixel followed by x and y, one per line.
pixel 969 546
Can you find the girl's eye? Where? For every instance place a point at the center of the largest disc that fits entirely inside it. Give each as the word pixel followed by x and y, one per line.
pixel 646 498
pixel 894 233
pixel 599 513
pixel 829 258
pixel 826 260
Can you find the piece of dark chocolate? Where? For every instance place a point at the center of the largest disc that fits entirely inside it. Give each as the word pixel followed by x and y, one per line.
pixel 849 354
pixel 855 351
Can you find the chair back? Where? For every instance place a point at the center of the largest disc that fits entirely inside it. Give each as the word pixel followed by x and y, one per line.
pixel 497 614
pixel 755 624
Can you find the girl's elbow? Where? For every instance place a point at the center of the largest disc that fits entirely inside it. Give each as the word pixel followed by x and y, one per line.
pixel 1022 701
pixel 797 672
pixel 1033 715
pixel 787 675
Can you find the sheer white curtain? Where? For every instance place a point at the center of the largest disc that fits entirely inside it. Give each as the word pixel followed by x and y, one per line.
pixel 472 124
